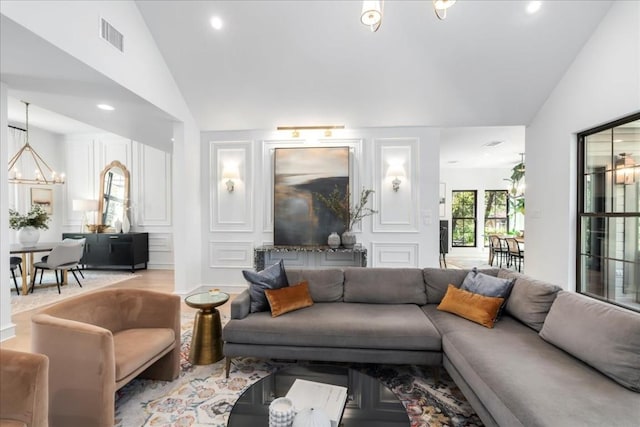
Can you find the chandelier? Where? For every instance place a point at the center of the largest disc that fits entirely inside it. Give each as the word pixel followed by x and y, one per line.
pixel 372 12
pixel 43 174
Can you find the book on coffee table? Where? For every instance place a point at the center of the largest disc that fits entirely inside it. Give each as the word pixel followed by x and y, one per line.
pixel 328 397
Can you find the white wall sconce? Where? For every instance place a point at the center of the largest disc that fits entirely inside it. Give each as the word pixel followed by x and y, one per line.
pixel 397 172
pixel 230 172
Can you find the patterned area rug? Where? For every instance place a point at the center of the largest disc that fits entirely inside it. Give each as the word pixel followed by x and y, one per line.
pixel 201 396
pixel 47 293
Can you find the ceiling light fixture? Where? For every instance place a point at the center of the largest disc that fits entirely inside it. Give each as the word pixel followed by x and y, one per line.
pixel 42 171
pixel 295 130
pixel 105 107
pixel 520 166
pixel 533 7
pixel 372 12
pixel 440 7
pixel 216 22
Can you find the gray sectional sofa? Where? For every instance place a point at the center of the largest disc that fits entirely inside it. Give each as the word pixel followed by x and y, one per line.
pixel 554 358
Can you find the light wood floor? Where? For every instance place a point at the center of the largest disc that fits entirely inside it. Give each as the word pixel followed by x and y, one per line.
pixel 159 280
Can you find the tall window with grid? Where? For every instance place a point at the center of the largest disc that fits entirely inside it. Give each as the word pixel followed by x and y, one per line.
pixel 463 218
pixel 608 249
pixel 496 213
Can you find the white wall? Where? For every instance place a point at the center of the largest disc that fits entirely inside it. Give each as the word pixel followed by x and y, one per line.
pixel 143 71
pixel 602 84
pixel 7 329
pixel 480 179
pixel 404 233
pixel 150 188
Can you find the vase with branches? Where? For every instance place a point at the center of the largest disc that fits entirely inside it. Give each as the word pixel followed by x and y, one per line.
pixel 339 203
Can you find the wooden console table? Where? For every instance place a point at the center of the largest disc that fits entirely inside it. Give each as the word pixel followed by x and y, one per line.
pixel 357 256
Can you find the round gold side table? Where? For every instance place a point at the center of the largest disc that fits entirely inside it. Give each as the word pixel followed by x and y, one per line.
pixel 206 342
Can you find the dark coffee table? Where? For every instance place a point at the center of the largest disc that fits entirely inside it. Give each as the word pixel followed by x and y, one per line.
pixel 370 403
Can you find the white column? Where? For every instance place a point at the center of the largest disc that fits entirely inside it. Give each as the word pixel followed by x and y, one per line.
pixel 7 329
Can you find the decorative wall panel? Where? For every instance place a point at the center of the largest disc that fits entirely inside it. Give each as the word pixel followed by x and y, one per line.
pixel 153 179
pixel 224 254
pixel 398 211
pixel 82 178
pixel 231 210
pixel 394 255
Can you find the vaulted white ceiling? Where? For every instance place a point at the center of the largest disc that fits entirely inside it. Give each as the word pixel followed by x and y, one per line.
pixel 305 62
pixel 489 64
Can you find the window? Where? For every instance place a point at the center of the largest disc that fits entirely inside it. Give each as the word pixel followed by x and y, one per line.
pixel 496 213
pixel 608 249
pixel 463 216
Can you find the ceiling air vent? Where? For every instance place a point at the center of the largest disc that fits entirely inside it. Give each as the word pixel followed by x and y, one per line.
pixel 110 34
pixel 493 144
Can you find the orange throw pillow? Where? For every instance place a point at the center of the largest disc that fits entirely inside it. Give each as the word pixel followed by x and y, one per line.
pixel 288 299
pixel 474 307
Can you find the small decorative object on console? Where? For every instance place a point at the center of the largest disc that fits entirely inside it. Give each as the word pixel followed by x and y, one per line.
pixel 334 240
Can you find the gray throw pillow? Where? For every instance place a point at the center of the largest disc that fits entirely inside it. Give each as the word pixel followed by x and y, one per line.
pixel 272 277
pixel 489 286
pixel 600 334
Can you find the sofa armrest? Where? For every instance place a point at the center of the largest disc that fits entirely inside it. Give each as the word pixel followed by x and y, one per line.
pixel 241 305
pixel 24 387
pixel 82 369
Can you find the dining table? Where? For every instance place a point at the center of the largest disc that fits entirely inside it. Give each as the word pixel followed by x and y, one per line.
pixel 28 254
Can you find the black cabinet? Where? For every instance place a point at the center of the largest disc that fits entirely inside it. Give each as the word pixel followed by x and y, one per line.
pixel 114 249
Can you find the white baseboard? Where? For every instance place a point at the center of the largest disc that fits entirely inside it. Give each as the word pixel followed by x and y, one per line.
pixel 7 331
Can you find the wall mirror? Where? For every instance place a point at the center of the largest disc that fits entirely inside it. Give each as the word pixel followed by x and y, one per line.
pixel 114 193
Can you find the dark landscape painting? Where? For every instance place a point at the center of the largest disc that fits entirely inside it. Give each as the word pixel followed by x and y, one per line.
pixel 300 218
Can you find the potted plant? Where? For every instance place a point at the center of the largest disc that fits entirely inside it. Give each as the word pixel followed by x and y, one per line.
pixel 338 203
pixel 29 224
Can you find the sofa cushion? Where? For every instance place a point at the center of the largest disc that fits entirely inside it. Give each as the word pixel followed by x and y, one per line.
pixel 384 286
pixel 524 381
pixel 475 307
pixel 437 280
pixel 339 324
pixel 291 298
pixel 325 285
pixel 272 277
pixel 489 286
pixel 135 347
pixel 530 299
pixel 603 335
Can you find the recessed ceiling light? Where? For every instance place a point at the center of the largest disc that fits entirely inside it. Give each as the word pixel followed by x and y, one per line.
pixel 105 107
pixel 618 140
pixel 216 22
pixel 533 7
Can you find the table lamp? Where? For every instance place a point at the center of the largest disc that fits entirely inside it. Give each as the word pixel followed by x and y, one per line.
pixel 84 206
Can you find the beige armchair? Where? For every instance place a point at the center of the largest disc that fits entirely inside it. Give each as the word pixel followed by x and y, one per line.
pixel 98 342
pixel 23 389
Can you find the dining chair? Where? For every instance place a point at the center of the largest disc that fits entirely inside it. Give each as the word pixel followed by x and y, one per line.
pixel 498 249
pixel 15 262
pixel 516 253
pixel 64 257
pixel 70 242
